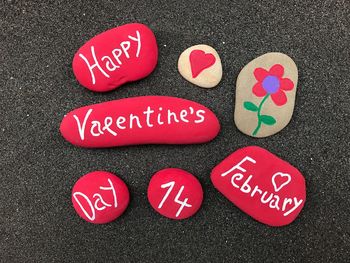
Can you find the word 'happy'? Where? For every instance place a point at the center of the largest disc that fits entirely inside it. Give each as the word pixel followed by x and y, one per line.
pixel 114 60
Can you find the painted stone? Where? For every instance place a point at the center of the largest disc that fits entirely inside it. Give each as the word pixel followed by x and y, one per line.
pixel 175 193
pixel 140 120
pixel 265 95
pixel 201 65
pixel 262 185
pixel 122 54
pixel 100 197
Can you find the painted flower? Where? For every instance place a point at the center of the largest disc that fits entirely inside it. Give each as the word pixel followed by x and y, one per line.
pixel 269 84
pixel 272 82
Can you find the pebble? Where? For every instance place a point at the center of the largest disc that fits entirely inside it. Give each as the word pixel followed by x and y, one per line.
pixel 100 197
pixel 140 120
pixel 122 54
pixel 265 95
pixel 201 65
pixel 262 185
pixel 175 193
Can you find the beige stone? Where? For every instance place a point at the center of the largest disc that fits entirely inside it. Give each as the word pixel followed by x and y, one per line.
pixel 208 76
pixel 247 121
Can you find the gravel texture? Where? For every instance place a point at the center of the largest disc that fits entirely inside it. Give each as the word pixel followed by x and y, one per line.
pixel 38 167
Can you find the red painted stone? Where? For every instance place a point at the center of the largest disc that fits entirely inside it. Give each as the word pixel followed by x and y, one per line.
pixel 100 197
pixel 140 120
pixel 175 193
pixel 262 185
pixel 122 54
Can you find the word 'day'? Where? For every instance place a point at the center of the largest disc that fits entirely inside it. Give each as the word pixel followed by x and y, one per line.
pixel 100 197
pixel 175 193
pixel 140 120
pixel 114 57
pixel 262 185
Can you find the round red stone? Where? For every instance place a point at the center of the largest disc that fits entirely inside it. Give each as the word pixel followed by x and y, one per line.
pixel 175 193
pixel 100 197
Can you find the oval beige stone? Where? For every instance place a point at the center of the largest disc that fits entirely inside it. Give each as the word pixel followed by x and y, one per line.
pixel 265 112
pixel 201 65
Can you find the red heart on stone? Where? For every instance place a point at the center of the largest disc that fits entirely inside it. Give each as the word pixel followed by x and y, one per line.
pixel 200 61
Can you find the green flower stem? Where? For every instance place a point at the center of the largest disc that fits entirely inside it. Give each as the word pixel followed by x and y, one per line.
pixel 258 113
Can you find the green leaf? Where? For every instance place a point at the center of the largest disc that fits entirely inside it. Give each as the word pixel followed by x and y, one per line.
pixel 268 120
pixel 250 106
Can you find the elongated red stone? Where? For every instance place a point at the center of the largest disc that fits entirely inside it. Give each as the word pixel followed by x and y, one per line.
pixel 262 185
pixel 140 120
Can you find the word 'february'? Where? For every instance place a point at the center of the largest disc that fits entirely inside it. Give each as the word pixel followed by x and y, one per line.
pixel 270 199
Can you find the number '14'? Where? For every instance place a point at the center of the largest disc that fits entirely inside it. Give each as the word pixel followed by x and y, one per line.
pixel 183 203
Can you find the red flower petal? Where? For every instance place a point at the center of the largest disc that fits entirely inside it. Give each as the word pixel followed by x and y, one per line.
pixel 260 74
pixel 258 90
pixel 277 70
pixel 279 98
pixel 286 84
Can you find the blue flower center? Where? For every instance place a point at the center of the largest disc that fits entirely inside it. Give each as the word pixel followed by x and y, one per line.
pixel 271 84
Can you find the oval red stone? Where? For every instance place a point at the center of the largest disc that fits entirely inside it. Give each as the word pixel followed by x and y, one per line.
pixel 140 120
pixel 114 57
pixel 175 193
pixel 100 197
pixel 262 185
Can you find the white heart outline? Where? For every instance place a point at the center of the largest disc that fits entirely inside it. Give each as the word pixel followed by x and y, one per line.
pixel 282 185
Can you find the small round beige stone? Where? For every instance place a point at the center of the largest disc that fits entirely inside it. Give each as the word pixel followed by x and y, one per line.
pixel 200 68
